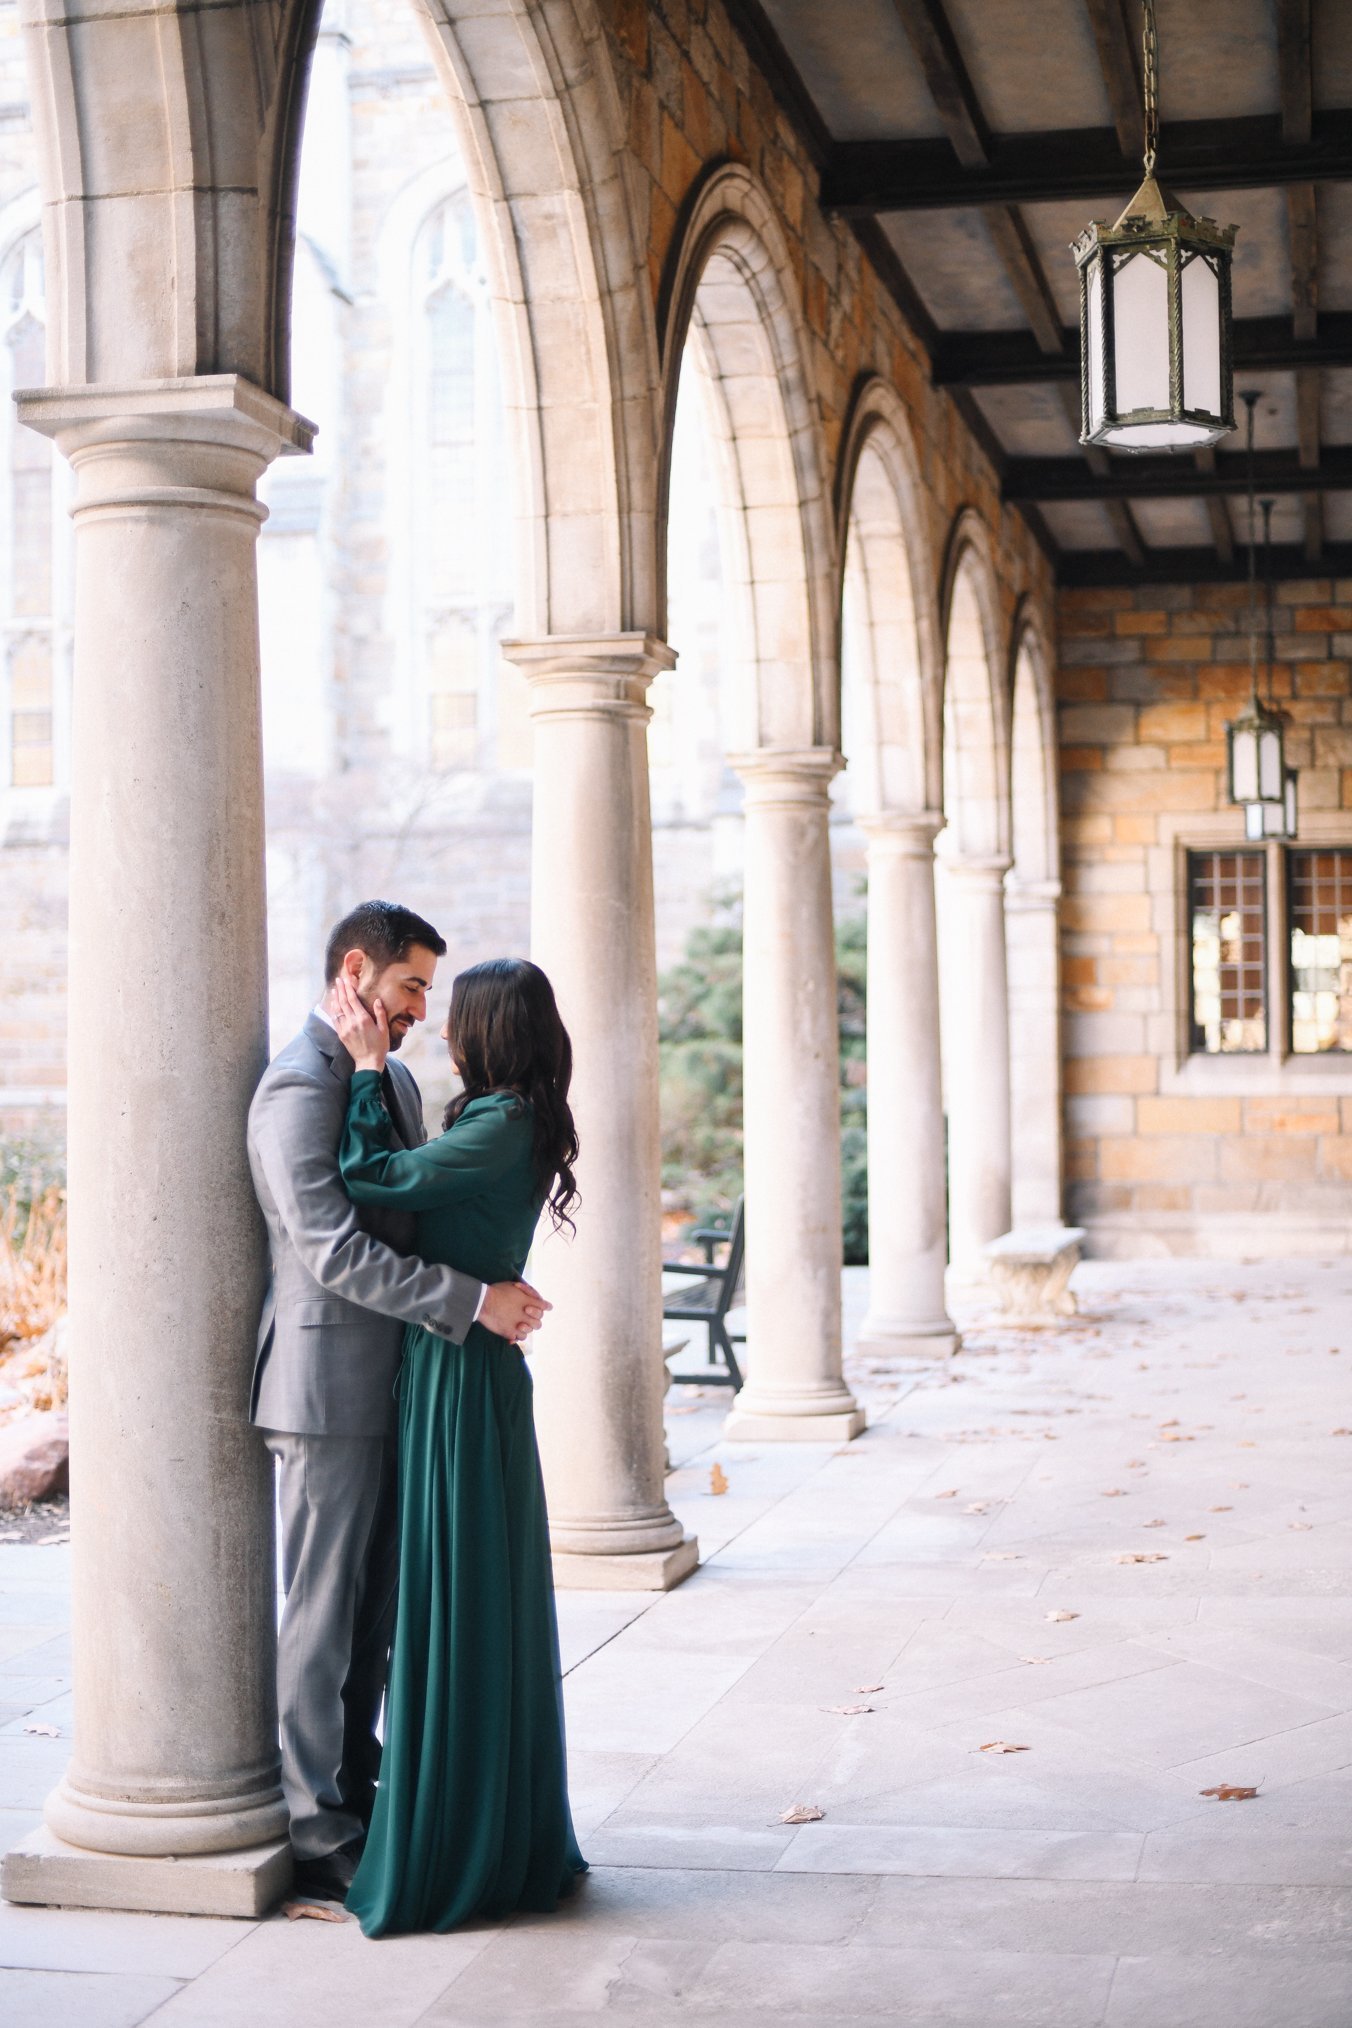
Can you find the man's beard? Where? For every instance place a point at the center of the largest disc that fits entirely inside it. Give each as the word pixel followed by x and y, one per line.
pixel 398 1030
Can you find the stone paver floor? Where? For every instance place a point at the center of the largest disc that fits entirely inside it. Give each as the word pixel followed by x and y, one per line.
pixel 965 1571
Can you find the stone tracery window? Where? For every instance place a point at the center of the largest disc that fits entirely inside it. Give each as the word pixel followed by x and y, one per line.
pixel 29 687
pixel 462 527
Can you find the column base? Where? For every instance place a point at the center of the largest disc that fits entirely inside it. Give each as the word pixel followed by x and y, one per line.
pixel 890 1338
pixel 642 1570
pixel 43 1868
pixel 759 1426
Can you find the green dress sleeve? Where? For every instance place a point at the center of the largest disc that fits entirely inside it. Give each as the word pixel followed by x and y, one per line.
pixel 482 1145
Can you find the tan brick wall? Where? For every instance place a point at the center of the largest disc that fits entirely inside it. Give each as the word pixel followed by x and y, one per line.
pixel 1147 683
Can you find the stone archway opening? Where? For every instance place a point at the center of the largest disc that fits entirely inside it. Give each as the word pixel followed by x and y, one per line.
pixel 1032 894
pixel 736 379
pixel 886 707
pixel 973 858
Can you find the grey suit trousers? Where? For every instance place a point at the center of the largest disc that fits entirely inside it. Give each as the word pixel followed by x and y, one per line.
pixel 340 1570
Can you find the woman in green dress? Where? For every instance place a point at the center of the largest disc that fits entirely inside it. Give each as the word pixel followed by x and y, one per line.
pixel 471 1816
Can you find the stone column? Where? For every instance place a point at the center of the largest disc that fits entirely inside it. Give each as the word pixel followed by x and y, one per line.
pixel 975 999
pixel 791 1108
pixel 1032 934
pixel 599 1376
pixel 907 1212
pixel 175 1762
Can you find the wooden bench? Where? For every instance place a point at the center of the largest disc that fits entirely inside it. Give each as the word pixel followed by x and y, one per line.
pixel 1031 1268
pixel 715 1292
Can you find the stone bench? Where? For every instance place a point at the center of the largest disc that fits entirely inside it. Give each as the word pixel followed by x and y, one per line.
pixel 1031 1269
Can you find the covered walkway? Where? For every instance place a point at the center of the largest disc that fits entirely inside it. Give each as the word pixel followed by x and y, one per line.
pixel 967 1571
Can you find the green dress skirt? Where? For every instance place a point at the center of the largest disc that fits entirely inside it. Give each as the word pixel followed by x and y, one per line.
pixel 471 1816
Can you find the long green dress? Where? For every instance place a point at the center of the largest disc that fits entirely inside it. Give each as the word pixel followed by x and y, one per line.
pixel 471 1815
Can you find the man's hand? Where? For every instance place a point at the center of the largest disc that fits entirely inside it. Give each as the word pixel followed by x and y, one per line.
pixel 512 1310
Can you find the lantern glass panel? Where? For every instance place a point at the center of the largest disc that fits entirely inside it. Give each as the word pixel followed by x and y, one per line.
pixel 1254 826
pixel 1141 333
pixel 1271 785
pixel 1201 304
pixel 1243 765
pixel 1291 803
pixel 1094 338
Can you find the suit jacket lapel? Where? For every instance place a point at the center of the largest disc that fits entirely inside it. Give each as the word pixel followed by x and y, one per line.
pixel 406 1107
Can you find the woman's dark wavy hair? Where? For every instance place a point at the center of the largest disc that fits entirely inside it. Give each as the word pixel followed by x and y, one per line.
pixel 506 1035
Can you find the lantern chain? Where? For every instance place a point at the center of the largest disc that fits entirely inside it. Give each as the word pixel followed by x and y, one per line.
pixel 1149 68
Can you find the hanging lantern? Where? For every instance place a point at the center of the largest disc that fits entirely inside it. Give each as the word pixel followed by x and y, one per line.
pixel 1273 820
pixel 1256 742
pixel 1257 759
pixel 1155 371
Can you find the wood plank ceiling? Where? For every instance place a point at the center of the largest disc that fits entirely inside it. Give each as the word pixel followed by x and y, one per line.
pixel 969 141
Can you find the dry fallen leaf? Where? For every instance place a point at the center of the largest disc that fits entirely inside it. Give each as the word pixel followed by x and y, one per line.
pixel 1230 1792
pixel 847 1710
pixel 1221 1508
pixel 1060 1613
pixel 977 1507
pixel 1135 1464
pixel 801 1813
pixel 1140 1556
pixel 1304 1526
pixel 12 1535
pixel 1342 1432
pixel 951 1494
pixel 867 1689
pixel 317 1911
pixel 1114 1493
pixel 1034 1659
pixel 1154 1524
pixel 718 1479
pixel 1001 1746
pixel 44 1731
pixel 1004 1556
pixel 1194 1538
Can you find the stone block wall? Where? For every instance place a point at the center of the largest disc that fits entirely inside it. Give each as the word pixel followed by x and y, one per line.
pixel 1167 1150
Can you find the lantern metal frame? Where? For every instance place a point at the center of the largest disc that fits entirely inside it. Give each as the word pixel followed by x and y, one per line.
pixel 1156 227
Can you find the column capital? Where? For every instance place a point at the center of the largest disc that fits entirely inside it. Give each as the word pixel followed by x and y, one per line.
pixel 590 675
pixel 978 870
pixel 221 408
pixel 906 834
pixel 1032 897
pixel 787 775
pixel 148 446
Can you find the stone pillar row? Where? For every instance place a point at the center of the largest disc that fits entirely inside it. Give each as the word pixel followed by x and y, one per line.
pixel 171 1799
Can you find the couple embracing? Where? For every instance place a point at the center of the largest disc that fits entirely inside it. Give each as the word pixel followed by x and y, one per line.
pixel 392 1393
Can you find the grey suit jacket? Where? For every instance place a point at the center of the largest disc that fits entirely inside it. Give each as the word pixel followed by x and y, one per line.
pixel 343 1282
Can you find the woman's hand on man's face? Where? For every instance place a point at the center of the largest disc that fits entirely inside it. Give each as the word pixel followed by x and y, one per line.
pixel 365 1035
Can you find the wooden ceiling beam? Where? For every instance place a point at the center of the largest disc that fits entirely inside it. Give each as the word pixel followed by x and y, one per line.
pixel 1193 566
pixel 1218 514
pixel 1164 478
pixel 931 37
pixel 1117 49
pixel 1294 69
pixel 1083 165
pixel 1014 358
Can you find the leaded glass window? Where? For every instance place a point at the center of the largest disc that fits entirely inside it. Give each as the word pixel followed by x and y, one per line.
pixel 1227 912
pixel 1320 911
pixel 462 528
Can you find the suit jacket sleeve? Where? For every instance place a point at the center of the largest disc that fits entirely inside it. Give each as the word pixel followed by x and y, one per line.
pixel 293 1138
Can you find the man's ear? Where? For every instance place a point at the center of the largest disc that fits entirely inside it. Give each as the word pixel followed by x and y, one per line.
pixel 353 962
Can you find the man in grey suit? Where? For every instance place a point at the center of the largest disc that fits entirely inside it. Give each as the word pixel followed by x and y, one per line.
pixel 344 1284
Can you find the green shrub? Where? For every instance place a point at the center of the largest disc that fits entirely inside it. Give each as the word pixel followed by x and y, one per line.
pixel 700 1034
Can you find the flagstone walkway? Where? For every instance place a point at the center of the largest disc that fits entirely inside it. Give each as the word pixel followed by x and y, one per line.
pixel 1122 1548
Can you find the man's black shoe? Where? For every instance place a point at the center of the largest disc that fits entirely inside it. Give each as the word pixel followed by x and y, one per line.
pixel 326 1879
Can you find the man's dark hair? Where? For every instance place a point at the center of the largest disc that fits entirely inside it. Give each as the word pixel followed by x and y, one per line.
pixel 386 932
